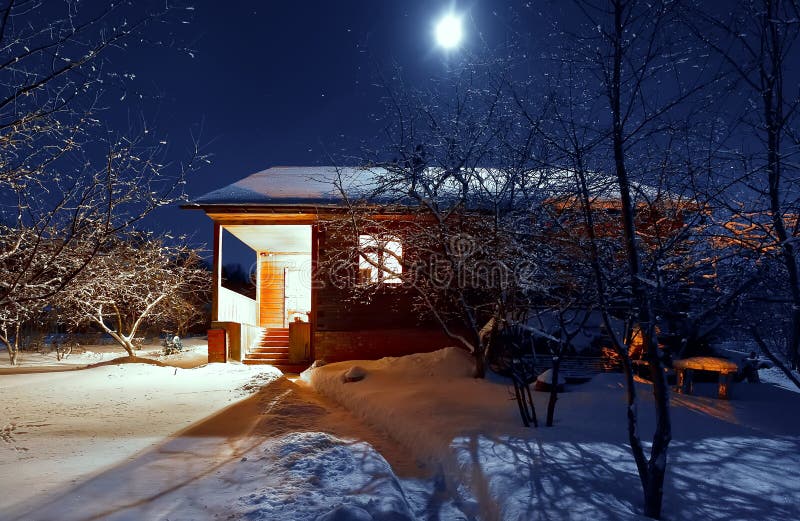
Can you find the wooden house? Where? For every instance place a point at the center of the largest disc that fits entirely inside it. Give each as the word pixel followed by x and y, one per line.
pixel 296 316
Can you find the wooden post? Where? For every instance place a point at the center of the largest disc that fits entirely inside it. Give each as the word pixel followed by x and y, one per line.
pixel 724 385
pixel 316 284
pixel 217 266
pixel 681 380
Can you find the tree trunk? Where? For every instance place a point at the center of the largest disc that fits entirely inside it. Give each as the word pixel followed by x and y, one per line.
pixel 654 490
pixel 480 363
pixel 772 69
pixel 651 474
pixel 551 404
pixel 12 347
pixel 128 346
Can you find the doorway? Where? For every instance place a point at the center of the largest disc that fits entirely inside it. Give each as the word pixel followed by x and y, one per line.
pixel 284 275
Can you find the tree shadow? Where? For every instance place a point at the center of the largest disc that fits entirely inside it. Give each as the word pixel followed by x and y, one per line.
pixel 735 459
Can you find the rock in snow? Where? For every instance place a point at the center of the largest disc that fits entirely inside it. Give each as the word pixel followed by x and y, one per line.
pixel 547 377
pixel 354 374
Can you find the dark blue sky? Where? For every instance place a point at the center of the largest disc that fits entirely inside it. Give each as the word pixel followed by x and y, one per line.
pixel 293 83
pixel 287 83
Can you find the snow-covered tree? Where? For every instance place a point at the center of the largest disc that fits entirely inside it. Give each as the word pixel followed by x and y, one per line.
pixel 69 183
pixel 129 283
pixel 189 307
pixel 457 169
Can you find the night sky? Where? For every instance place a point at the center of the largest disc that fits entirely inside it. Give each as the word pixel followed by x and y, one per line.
pixel 287 83
pixel 264 84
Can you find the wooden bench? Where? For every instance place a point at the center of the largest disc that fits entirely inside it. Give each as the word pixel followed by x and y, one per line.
pixel 684 370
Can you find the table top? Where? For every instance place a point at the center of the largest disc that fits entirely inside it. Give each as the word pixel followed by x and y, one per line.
pixel 706 363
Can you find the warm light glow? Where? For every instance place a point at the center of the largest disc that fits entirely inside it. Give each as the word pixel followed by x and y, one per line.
pixel 449 32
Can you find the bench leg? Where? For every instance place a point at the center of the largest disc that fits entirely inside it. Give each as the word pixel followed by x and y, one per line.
pixel 684 383
pixel 724 386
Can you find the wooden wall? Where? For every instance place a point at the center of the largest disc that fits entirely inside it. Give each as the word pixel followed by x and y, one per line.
pixel 342 308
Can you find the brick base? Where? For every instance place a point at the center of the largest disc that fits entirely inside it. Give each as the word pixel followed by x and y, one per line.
pixel 335 346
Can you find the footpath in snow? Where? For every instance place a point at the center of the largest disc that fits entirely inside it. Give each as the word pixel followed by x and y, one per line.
pixel 737 459
pixel 283 453
pixel 57 427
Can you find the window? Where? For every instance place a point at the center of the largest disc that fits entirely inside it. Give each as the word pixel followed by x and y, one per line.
pixel 379 259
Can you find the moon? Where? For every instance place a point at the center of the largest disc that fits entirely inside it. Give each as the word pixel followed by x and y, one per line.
pixel 449 32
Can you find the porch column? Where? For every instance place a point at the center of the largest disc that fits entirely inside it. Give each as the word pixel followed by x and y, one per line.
pixel 217 264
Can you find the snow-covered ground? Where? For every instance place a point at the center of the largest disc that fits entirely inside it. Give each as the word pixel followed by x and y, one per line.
pixel 737 459
pixel 283 453
pixel 194 353
pixel 738 350
pixel 56 427
pixel 418 438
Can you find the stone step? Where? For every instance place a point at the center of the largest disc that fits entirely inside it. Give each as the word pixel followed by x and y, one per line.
pixel 266 349
pixel 269 356
pixel 278 341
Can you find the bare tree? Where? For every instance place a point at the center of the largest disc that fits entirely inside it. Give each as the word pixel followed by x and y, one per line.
pixel 128 283
pixel 756 41
pixel 635 80
pixel 68 184
pixel 458 175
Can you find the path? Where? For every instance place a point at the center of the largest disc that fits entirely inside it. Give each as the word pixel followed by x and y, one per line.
pixel 261 457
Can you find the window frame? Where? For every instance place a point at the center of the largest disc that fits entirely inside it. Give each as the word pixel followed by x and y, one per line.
pixel 382 258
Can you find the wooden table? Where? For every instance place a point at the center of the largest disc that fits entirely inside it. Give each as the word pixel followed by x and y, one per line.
pixel 685 368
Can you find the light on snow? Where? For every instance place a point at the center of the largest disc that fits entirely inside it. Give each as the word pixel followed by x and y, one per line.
pixel 449 32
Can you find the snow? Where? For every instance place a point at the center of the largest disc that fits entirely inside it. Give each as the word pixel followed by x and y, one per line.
pixel 735 459
pixel 286 185
pixel 417 438
pixel 194 353
pixel 59 426
pixel 707 363
pixel 354 374
pixel 776 377
pixel 547 378
pixel 316 185
pixel 739 350
pixel 282 453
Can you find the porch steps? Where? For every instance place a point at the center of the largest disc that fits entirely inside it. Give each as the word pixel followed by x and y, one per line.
pixel 273 349
pixel 283 367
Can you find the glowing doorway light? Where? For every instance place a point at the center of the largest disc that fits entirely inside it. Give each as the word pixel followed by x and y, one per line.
pixel 449 32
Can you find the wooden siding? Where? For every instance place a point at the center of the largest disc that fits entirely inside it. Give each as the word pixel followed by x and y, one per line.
pixel 273 291
pixel 340 309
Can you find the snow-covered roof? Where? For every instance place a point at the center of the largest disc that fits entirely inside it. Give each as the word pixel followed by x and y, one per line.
pixel 286 185
pixel 322 186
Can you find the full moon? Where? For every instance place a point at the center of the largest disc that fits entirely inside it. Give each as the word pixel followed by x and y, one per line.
pixel 448 31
